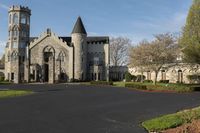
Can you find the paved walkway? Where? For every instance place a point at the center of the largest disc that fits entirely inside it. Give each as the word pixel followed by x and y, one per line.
pixel 86 109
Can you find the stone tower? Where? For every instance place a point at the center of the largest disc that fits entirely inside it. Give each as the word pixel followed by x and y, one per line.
pixel 79 36
pixel 18 40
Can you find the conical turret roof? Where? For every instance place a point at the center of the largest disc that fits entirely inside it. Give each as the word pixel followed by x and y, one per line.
pixel 79 27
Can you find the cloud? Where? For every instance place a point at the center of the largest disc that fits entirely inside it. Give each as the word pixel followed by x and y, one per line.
pixel 3 6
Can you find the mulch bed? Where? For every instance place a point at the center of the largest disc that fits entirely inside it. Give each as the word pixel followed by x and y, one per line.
pixel 193 127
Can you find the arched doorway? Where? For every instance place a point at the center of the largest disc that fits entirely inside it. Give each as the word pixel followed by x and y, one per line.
pixel 48 63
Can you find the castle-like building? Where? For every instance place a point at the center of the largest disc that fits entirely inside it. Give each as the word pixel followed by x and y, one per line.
pixel 50 58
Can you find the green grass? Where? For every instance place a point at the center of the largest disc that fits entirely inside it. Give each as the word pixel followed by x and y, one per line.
pixel 5 83
pixel 171 120
pixel 13 93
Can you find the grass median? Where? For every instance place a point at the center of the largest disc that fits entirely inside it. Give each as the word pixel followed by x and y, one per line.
pixel 171 120
pixel 14 93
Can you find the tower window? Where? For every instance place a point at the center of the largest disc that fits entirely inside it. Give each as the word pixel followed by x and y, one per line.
pixel 15 19
pixel 14 44
pixel 23 19
pixel 23 45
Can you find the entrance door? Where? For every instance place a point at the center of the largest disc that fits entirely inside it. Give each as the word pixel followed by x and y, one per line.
pixel 46 73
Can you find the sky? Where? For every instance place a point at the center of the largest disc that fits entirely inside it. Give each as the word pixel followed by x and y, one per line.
pixel 135 19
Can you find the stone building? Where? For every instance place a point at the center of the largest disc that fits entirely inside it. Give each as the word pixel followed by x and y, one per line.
pixel 176 73
pixel 51 58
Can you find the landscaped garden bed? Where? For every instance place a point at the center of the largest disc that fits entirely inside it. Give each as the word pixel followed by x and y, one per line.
pixel 172 120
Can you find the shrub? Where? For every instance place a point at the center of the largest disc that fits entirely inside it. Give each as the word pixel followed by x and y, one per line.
pixel 164 81
pixel 139 78
pixel 193 78
pixel 148 81
pixel 101 83
pixel 2 78
pixel 128 77
pixel 136 86
pixel 195 88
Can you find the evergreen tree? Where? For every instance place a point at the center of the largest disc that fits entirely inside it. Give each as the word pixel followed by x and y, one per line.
pixel 190 40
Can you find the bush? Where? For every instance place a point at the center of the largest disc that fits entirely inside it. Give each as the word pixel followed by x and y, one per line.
pixel 139 78
pixel 193 78
pixel 128 77
pixel 136 86
pixel 164 81
pixel 101 83
pixel 195 88
pixel 2 78
pixel 148 81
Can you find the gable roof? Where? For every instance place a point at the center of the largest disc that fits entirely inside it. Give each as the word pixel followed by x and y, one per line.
pixel 79 27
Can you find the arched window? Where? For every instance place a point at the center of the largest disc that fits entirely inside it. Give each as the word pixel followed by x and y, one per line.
pixel 61 56
pixel 23 19
pixel 148 75
pixel 14 56
pixel 15 19
pixel 15 32
pixel 163 74
pixel 180 76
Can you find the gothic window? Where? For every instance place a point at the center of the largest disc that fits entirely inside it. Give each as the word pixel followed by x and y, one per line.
pixel 14 56
pixel 180 76
pixel 61 56
pixel 23 19
pixel 163 74
pixel 23 45
pixel 15 32
pixel 148 75
pixel 15 19
pixel 14 45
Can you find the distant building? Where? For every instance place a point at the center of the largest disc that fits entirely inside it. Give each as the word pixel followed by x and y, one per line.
pixel 51 58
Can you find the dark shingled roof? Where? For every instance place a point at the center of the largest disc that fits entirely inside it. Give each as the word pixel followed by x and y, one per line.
pixel 104 39
pixel 79 27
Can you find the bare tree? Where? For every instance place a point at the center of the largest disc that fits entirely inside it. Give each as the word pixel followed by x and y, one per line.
pixel 119 51
pixel 156 54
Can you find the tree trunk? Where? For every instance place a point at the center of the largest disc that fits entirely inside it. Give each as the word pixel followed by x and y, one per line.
pixel 155 79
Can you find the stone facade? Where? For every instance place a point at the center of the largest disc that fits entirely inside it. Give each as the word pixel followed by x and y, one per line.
pixel 50 58
pixel 177 73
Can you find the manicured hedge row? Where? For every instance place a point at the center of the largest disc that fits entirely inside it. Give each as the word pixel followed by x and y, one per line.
pixel 101 83
pixel 136 86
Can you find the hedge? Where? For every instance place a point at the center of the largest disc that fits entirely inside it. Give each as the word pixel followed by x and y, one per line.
pixel 101 83
pixel 136 86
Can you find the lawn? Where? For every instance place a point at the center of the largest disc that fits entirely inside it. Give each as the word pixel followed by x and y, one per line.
pixel 13 93
pixel 171 120
pixel 5 83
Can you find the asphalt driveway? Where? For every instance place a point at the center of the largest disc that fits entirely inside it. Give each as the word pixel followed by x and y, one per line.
pixel 86 109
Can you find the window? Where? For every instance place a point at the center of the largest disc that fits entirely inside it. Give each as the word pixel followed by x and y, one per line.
pixel 163 75
pixel 14 44
pixel 15 19
pixel 61 56
pixel 14 56
pixel 180 76
pixel 23 19
pixel 12 76
pixel 23 45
